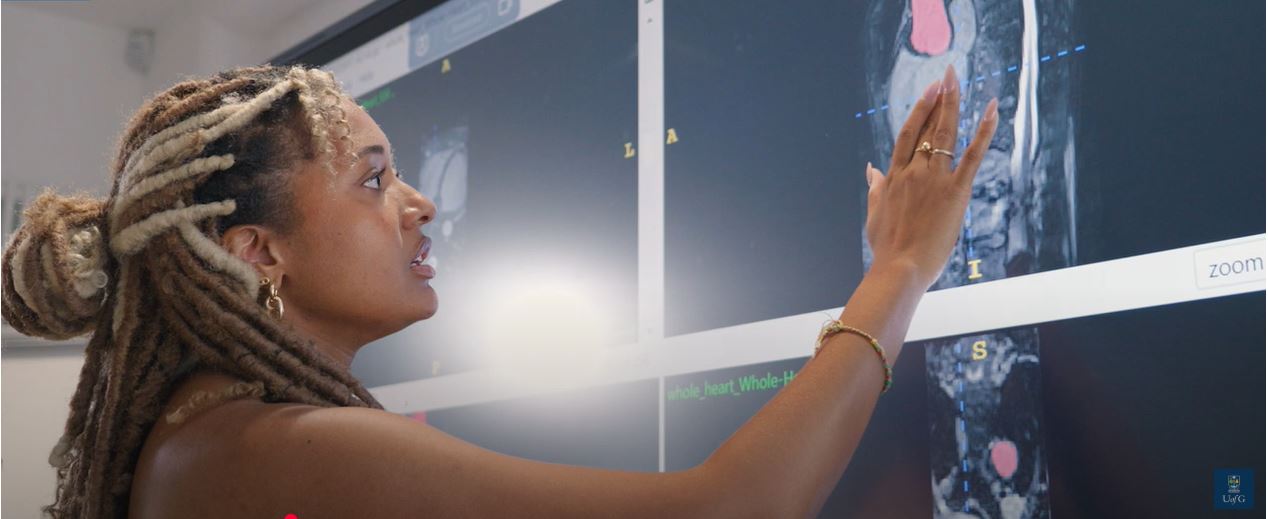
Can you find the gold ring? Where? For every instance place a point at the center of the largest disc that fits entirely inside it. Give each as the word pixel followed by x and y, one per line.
pixel 928 148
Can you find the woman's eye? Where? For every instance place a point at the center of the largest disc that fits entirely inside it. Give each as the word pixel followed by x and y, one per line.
pixel 377 181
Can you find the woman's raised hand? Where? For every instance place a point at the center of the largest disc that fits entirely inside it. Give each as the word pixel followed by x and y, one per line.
pixel 916 211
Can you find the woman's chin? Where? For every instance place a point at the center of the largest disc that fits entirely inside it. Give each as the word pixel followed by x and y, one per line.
pixel 429 307
pixel 421 301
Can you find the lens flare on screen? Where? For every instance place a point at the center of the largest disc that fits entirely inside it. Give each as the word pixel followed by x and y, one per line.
pixel 545 326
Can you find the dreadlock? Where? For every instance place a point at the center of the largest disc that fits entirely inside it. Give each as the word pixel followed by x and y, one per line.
pixel 143 271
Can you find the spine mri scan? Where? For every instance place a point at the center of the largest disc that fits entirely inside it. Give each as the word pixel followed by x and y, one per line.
pixel 1021 216
pixel 987 455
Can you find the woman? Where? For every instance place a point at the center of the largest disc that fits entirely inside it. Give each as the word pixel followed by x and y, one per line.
pixel 257 236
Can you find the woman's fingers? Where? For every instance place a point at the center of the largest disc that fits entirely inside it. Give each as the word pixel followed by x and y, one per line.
pixel 948 120
pixel 906 142
pixel 973 155
pixel 921 158
pixel 875 179
pixel 876 183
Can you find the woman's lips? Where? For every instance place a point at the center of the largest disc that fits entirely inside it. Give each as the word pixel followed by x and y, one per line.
pixel 421 254
pixel 424 270
pixel 418 265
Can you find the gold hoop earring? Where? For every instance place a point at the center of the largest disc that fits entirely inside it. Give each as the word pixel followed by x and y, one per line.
pixel 274 302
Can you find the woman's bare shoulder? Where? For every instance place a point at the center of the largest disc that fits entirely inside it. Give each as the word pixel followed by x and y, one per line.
pixel 197 467
pixel 268 460
pixel 248 458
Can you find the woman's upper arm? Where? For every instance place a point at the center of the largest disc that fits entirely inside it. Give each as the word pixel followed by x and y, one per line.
pixel 356 462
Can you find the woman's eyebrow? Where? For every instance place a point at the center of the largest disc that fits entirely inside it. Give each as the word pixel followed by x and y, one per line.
pixel 373 148
pixel 376 148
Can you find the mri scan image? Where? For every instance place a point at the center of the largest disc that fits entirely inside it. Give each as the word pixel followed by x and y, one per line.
pixel 443 179
pixel 986 441
pixel 1020 219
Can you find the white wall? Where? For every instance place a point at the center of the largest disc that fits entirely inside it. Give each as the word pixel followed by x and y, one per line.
pixel 36 385
pixel 66 94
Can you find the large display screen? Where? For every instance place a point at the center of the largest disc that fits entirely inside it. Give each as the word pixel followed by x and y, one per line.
pixel 647 208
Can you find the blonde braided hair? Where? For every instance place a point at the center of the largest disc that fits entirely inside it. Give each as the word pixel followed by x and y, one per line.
pixel 143 271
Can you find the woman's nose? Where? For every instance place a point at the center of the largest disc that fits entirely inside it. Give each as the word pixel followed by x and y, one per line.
pixel 419 209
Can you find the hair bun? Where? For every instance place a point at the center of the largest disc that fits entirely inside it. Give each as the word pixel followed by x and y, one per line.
pixel 55 267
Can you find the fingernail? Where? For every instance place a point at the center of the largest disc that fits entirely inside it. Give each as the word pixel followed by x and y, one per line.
pixel 949 83
pixel 869 174
pixel 992 110
pixel 932 91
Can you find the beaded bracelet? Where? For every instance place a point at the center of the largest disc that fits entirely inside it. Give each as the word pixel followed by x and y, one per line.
pixel 835 326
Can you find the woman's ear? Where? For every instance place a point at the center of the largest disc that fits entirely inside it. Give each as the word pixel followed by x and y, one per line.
pixel 257 246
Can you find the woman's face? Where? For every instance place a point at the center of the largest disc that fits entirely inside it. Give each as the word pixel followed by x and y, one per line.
pixel 345 271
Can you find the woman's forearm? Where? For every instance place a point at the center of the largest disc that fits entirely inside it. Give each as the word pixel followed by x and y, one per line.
pixel 792 452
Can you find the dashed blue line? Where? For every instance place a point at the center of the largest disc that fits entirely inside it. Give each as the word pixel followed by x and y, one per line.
pixel 959 367
pixel 961 406
pixel 966 84
pixel 965 465
pixel 957 348
pixel 966 486
pixel 961 425
pixel 961 389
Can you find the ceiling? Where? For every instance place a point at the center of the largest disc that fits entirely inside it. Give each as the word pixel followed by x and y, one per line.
pixel 250 18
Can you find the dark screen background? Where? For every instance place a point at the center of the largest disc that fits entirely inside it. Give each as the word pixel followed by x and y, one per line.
pixel 763 210
pixel 764 192
pixel 1147 402
pixel 548 103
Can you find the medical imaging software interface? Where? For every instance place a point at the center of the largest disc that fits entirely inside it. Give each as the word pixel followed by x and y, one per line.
pixel 647 208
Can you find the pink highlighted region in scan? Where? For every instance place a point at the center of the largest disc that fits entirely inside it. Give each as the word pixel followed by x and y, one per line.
pixel 1004 458
pixel 930 29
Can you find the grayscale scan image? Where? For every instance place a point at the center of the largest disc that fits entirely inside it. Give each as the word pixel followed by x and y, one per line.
pixel 987 450
pixel 1021 217
pixel 443 179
